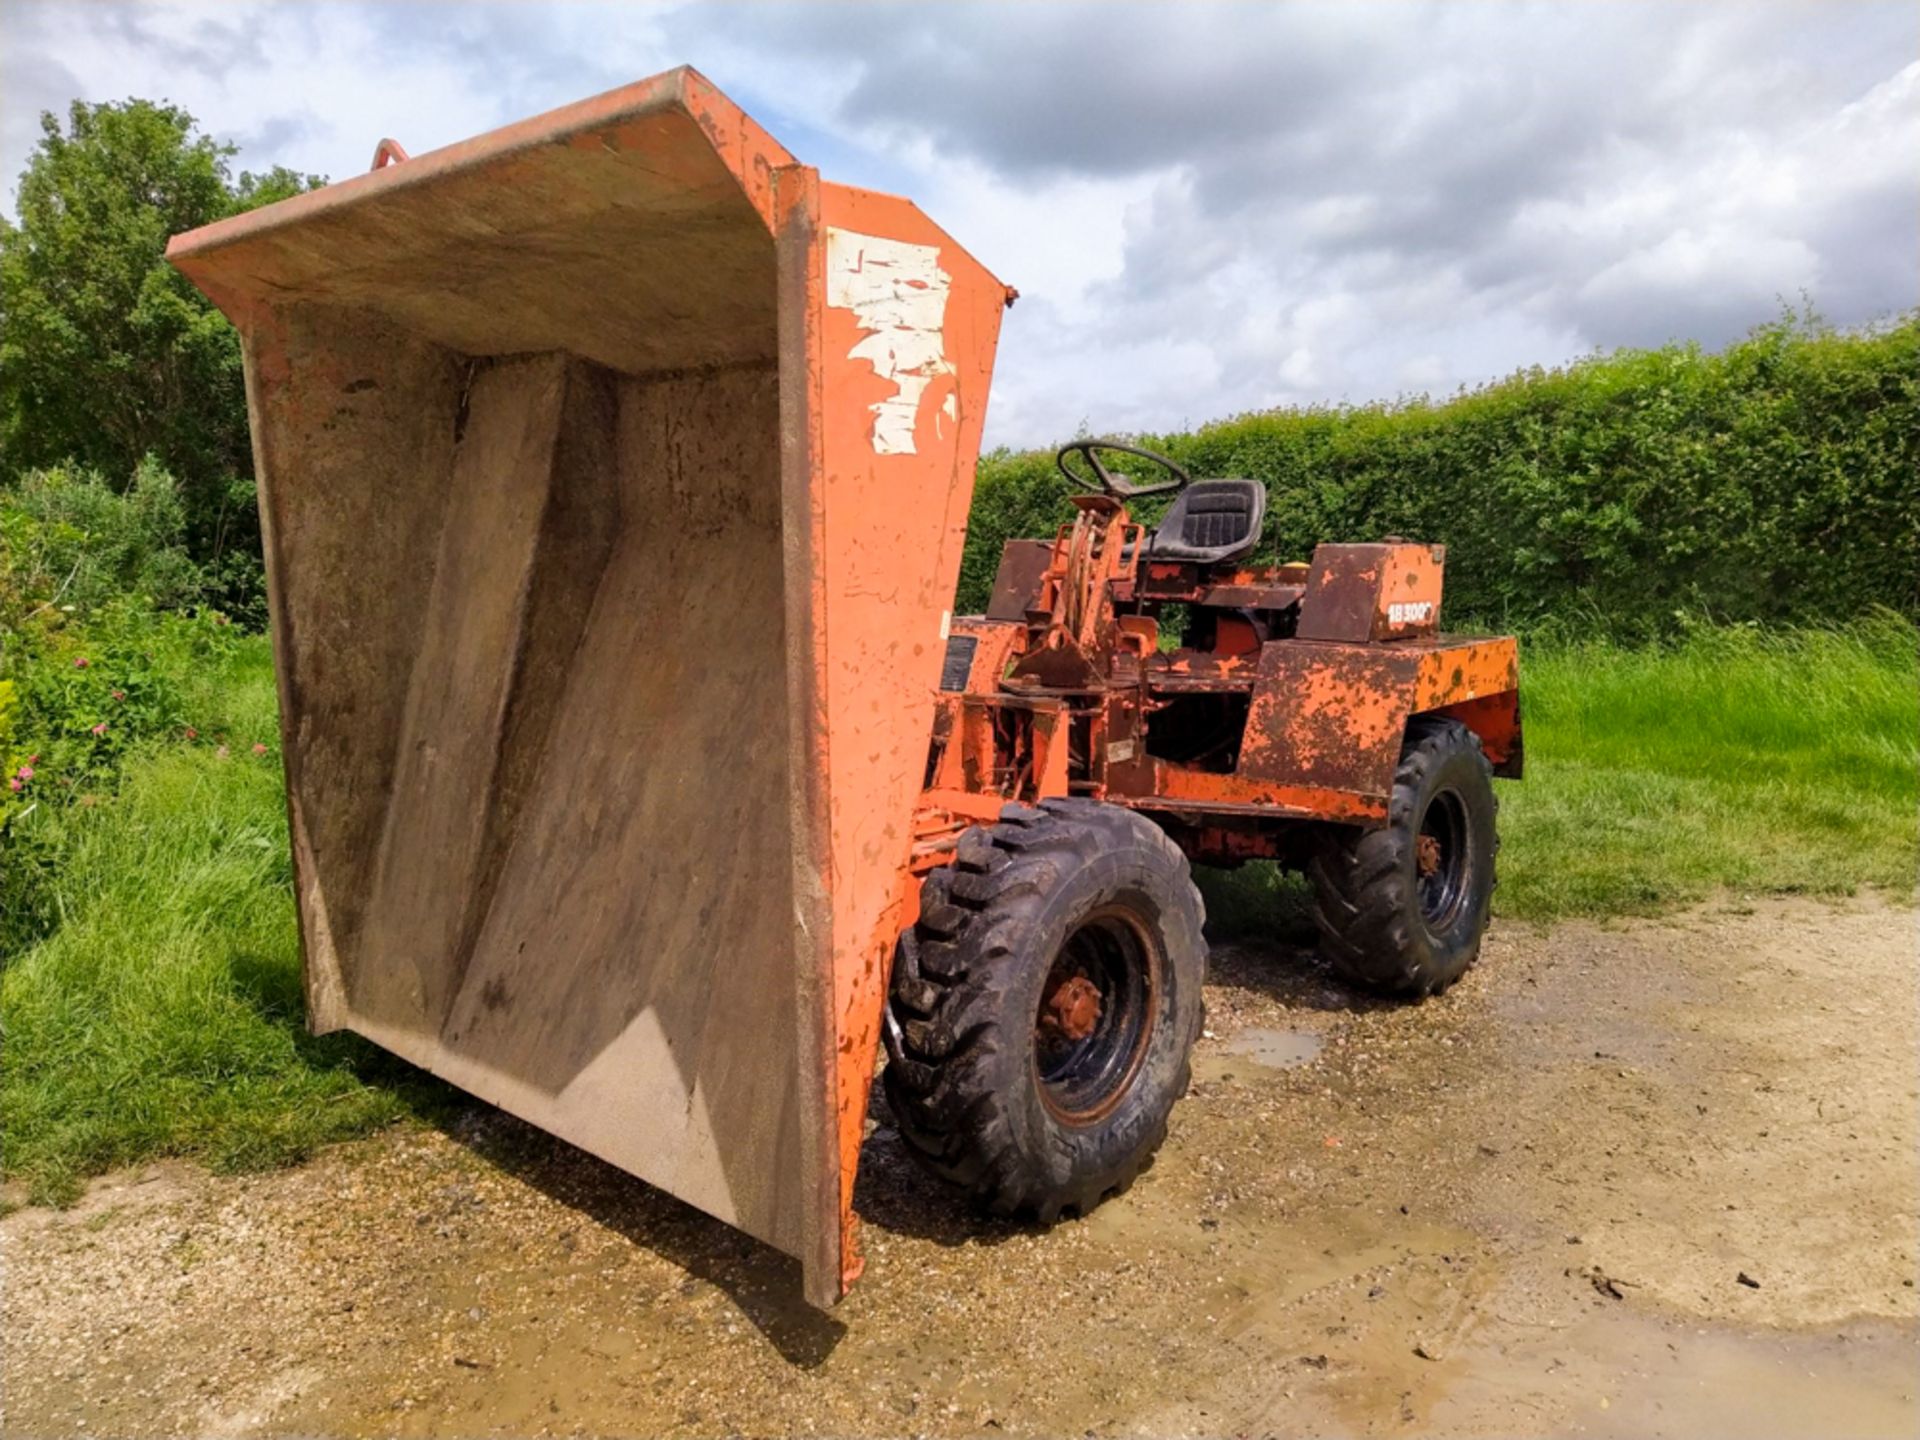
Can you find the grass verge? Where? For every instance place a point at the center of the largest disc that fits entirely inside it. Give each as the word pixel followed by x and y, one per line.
pixel 1759 762
pixel 163 1014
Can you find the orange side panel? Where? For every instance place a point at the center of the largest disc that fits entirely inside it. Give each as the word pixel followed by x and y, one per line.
pixel 907 325
pixel 1331 715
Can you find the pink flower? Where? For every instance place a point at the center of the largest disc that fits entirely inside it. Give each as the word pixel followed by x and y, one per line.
pixel 259 749
pixel 119 694
pixel 192 734
pixel 79 662
pixel 101 728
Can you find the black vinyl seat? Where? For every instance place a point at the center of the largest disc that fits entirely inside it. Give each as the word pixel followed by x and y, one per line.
pixel 1211 521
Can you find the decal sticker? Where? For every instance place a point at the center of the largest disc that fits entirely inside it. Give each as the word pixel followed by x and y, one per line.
pixel 1409 612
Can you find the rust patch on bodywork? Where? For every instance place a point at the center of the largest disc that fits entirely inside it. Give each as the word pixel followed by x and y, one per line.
pixel 1389 591
pixel 1332 715
pixel 1016 584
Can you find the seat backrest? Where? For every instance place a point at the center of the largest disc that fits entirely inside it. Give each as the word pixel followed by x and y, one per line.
pixel 1211 521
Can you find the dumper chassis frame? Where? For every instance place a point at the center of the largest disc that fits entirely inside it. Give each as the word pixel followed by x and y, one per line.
pixel 1311 715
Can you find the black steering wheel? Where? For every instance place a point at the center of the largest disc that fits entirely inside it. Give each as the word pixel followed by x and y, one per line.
pixel 1106 482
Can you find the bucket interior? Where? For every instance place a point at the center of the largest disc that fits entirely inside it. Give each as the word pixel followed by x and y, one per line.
pixel 520 447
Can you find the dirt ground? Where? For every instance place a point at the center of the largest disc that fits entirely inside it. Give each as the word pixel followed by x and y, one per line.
pixel 1653 1179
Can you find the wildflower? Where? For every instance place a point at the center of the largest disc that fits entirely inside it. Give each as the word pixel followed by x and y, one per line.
pixel 79 662
pixel 101 728
pixel 259 749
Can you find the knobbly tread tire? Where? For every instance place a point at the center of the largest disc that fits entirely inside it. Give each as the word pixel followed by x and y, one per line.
pixel 960 1077
pixel 1364 889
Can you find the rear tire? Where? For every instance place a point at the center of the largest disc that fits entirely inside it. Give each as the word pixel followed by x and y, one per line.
pixel 1043 1009
pixel 1402 908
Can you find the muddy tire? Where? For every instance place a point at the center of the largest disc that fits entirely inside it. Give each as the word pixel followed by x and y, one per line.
pixel 1043 1010
pixel 1402 908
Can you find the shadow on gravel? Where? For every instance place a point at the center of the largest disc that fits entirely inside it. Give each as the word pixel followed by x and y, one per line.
pixel 1266 945
pixel 1290 972
pixel 894 1194
pixel 764 1283
pixel 1261 929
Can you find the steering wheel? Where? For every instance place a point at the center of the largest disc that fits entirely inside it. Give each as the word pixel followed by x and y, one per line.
pixel 1106 482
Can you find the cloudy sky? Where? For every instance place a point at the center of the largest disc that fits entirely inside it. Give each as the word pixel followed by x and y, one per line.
pixel 1206 209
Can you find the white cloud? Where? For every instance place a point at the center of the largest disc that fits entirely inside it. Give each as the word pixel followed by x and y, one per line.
pixel 1207 209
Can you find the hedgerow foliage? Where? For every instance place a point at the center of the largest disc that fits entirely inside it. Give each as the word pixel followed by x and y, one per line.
pixel 1774 480
pixel 108 355
pixel 103 631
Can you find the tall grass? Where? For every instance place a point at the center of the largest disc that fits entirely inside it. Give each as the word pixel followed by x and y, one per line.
pixel 1753 761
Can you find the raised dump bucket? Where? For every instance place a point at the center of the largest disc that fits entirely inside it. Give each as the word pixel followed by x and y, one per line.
pixel 614 470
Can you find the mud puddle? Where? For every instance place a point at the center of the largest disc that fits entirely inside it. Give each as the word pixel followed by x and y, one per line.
pixel 1263 1047
pixel 1524 1208
pixel 1628 1374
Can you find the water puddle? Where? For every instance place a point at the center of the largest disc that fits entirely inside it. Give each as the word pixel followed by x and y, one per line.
pixel 1253 1053
pixel 1276 1049
pixel 1622 1374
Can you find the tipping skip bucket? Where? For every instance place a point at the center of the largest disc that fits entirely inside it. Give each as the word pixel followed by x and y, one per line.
pixel 614 470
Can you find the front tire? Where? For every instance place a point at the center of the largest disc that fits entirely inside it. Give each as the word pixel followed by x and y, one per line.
pixel 1402 908
pixel 1043 1009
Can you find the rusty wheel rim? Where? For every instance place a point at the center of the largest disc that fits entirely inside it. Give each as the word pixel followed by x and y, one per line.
pixel 1440 859
pixel 1096 1014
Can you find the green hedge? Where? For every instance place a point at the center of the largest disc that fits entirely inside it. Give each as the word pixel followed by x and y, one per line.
pixel 1773 481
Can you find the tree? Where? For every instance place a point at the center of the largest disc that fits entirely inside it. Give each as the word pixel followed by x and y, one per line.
pixel 107 354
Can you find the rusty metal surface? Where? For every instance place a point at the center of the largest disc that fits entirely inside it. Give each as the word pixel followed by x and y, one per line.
pixel 1251 596
pixel 1185 671
pixel 1071 1009
pixel 1273 587
pixel 1074 630
pixel 1016 584
pixel 1356 593
pixel 655 688
pixel 1332 715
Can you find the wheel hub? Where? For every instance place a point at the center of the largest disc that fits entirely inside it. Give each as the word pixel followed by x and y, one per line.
pixel 1095 1015
pixel 1426 854
pixel 1440 859
pixel 1072 1009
